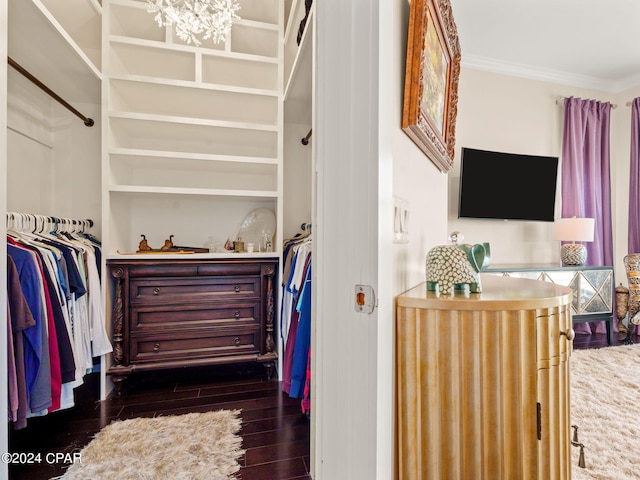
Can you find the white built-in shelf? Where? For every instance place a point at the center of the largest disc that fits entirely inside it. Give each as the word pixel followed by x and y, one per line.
pixel 209 174
pixel 298 66
pixel 153 117
pixel 193 103
pixel 181 157
pixel 194 84
pixel 59 48
pixel 155 59
pixel 145 132
pixel 291 46
pixel 80 23
pixel 194 133
pixel 143 189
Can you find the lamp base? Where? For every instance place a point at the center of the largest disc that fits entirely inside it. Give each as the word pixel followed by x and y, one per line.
pixel 573 254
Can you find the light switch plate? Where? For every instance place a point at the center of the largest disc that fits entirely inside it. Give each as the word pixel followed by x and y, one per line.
pixel 400 220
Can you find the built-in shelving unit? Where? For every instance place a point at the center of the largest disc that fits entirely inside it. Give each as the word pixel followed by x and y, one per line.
pixel 192 135
pixel 298 114
pixel 297 56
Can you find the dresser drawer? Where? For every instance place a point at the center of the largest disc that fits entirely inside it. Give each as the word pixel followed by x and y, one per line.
pixel 233 314
pixel 187 312
pixel 162 291
pixel 187 346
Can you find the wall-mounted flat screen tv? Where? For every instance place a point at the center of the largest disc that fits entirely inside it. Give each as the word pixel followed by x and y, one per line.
pixel 507 186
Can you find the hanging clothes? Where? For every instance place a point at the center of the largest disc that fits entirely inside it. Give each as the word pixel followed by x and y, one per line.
pixel 303 338
pixel 19 318
pixel 295 318
pixel 55 319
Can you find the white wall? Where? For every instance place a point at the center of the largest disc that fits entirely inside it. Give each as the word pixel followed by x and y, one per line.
pixel 297 178
pixel 53 159
pixel 517 115
pixel 620 179
pixel 415 178
pixel 77 179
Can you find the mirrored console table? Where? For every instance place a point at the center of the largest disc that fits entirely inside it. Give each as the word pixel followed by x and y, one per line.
pixel 593 288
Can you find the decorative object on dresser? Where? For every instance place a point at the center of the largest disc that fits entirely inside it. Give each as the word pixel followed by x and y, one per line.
pixel 592 288
pixel 456 265
pixel 168 247
pixel 180 313
pixel 575 230
pixel 483 382
pixel 259 227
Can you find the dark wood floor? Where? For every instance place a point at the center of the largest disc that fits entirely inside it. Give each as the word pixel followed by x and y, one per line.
pixel 596 340
pixel 275 434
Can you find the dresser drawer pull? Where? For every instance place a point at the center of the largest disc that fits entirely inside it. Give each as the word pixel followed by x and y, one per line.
pixel 156 347
pixel 156 291
pixel 237 340
pixel 237 314
pixel 236 289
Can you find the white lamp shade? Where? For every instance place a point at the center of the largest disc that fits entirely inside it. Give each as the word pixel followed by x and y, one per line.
pixel 574 229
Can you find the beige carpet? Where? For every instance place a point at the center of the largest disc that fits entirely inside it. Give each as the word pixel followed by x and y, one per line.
pixel 605 404
pixel 195 446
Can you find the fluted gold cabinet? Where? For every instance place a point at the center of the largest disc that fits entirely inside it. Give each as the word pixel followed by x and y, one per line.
pixel 483 382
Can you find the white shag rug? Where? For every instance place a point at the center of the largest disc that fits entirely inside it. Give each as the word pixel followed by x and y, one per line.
pixel 195 446
pixel 605 404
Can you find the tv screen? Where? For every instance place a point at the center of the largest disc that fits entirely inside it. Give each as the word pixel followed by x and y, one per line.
pixel 507 186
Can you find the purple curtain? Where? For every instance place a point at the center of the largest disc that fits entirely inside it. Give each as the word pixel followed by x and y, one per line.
pixel 586 185
pixel 634 179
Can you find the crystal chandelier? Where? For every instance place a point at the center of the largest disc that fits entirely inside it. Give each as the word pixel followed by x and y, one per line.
pixel 196 20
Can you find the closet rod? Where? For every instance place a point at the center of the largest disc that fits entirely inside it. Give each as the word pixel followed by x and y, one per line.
pixel 33 222
pixel 87 121
pixel 560 100
pixel 305 140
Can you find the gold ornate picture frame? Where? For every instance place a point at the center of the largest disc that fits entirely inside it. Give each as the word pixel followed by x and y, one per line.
pixel 431 80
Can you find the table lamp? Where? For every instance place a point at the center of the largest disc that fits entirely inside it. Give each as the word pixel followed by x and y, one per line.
pixel 574 230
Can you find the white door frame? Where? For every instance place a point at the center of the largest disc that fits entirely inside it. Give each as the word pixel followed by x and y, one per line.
pixel 353 351
pixel 4 429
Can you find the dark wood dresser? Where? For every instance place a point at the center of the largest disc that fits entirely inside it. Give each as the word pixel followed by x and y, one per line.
pixel 181 313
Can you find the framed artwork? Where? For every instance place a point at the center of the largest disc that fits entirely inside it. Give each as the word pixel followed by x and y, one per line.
pixel 430 103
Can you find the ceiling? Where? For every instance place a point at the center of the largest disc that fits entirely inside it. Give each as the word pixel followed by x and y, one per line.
pixel 583 43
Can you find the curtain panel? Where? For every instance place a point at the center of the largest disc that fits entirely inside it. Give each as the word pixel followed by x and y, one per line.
pixel 634 180
pixel 586 179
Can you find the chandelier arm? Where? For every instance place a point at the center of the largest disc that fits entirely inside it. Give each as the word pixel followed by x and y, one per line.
pixel 209 19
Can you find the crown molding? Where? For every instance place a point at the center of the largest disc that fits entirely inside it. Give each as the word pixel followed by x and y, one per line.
pixel 547 75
